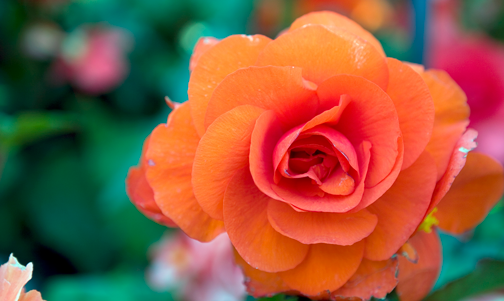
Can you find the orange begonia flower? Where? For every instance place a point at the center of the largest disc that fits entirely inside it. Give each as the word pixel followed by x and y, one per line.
pixel 13 277
pixel 320 158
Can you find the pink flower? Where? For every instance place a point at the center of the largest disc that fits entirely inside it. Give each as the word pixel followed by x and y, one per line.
pixel 476 63
pixel 13 277
pixel 94 59
pixel 200 271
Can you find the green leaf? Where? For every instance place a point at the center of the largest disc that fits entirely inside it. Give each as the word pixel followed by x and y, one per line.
pixel 28 127
pixel 488 276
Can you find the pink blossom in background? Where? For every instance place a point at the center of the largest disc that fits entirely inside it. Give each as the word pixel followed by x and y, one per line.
pixel 93 59
pixel 13 277
pixel 476 63
pixel 196 271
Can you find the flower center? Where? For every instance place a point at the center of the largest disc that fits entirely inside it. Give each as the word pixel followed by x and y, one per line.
pixel 323 155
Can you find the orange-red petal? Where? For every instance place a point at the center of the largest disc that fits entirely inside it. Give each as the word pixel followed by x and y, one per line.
pixel 142 195
pixel 267 132
pixel 326 268
pixel 370 116
pixel 227 56
pixel 324 53
pixel 372 194
pixel 476 189
pixel 457 161
pixel 372 279
pixel 321 227
pixel 451 116
pixel 170 157
pixel 202 46
pixel 302 194
pixel 260 283
pixel 223 149
pixel 417 279
pixel 401 209
pixel 414 107
pixel 332 19
pixel 281 89
pixel 246 220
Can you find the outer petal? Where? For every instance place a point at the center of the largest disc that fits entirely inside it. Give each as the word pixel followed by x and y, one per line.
pixel 477 188
pixel 417 279
pixel 370 116
pixel 223 149
pixel 372 279
pixel 260 283
pixel 401 209
pixel 325 53
pixel 457 161
pixel 414 107
pixel 202 46
pixel 332 19
pixel 451 116
pixel 326 268
pixel 13 276
pixel 246 220
pixel 142 195
pixel 281 89
pixel 170 155
pixel 229 55
pixel 320 227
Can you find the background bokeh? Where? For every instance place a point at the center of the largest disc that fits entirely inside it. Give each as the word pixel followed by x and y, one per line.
pixel 82 83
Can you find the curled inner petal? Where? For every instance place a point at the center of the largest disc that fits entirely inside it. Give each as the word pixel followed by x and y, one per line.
pixel 320 154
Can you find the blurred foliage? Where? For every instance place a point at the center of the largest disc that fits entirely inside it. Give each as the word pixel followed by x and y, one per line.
pixel 487 277
pixel 64 154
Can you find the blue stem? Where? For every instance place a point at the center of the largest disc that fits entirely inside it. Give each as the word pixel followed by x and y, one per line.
pixel 420 8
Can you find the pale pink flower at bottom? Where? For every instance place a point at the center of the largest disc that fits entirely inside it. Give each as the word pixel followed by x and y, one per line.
pixel 13 277
pixel 198 271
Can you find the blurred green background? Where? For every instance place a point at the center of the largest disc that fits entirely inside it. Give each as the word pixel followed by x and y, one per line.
pixel 65 148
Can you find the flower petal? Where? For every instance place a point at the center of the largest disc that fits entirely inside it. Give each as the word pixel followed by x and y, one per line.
pixel 267 132
pixel 260 283
pixel 202 46
pixel 227 56
pixel 417 279
pixel 332 19
pixel 372 279
pixel 171 151
pixel 142 195
pixel 301 194
pixel 401 209
pixel 326 268
pixel 372 194
pixel 13 277
pixel 246 220
pixel 319 227
pixel 223 149
pixel 414 106
pixel 281 89
pixel 457 161
pixel 476 189
pixel 451 116
pixel 325 53
pixel 370 116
